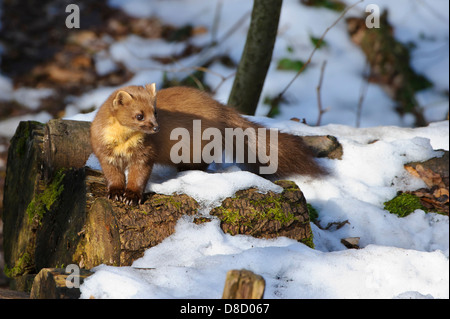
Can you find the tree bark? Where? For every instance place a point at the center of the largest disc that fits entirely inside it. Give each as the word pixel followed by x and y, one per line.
pixel 67 144
pixel 256 57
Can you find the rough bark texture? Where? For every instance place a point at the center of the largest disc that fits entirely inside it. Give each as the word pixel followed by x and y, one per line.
pixel 23 175
pixel 269 215
pixel 117 234
pixel 56 212
pixel 256 57
pixel 66 144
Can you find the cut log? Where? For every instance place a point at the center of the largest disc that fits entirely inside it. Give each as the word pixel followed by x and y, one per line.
pixel 117 234
pixel 243 284
pixel 56 212
pixel 51 283
pixel 66 145
pixel 23 176
pixel 44 209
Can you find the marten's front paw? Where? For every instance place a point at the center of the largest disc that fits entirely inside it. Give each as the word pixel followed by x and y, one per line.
pixel 116 193
pixel 132 198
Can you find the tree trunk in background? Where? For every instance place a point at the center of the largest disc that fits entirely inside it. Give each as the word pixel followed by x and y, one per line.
pixel 256 57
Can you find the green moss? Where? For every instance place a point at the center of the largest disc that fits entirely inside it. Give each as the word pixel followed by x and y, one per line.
pixel 272 211
pixel 404 204
pixel 164 200
pixel 42 202
pixel 254 214
pixel 232 217
pixel 309 241
pixel 25 129
pixel 23 264
pixel 313 214
pixel 276 213
pixel 175 203
pixel 289 186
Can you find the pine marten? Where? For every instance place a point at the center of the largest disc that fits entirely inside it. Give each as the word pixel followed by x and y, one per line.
pixel 134 127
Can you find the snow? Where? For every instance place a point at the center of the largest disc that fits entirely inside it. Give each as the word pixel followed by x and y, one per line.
pixel 31 98
pixel 193 263
pixel 400 257
pixel 210 189
pixel 9 126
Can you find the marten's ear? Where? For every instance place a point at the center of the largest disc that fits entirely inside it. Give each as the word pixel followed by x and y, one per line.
pixel 122 98
pixel 151 88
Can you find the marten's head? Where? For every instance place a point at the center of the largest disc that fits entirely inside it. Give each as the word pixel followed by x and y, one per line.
pixel 135 108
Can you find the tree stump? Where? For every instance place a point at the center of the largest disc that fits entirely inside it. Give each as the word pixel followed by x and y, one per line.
pixel 56 212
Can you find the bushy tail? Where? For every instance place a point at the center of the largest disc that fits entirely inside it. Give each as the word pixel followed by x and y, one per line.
pixel 267 151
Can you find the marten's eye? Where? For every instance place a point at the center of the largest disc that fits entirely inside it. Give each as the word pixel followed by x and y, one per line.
pixel 156 114
pixel 140 117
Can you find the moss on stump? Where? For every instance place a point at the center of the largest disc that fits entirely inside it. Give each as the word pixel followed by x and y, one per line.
pixel 269 215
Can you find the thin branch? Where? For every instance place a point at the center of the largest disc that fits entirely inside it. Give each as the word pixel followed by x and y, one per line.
pixel 434 12
pixel 318 44
pixel 235 26
pixel 319 98
pixel 204 70
pixel 216 22
pixel 363 93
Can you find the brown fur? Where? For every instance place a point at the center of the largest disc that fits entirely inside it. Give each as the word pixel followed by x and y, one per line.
pixel 120 140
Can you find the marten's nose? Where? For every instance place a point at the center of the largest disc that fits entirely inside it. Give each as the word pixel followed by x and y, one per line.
pixel 156 128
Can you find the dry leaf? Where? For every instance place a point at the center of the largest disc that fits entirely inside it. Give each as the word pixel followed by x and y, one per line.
pixel 429 177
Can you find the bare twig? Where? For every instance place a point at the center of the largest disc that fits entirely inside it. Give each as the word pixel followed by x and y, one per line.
pixel 362 94
pixel 204 70
pixel 216 22
pixel 434 12
pixel 235 27
pixel 319 98
pixel 318 44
